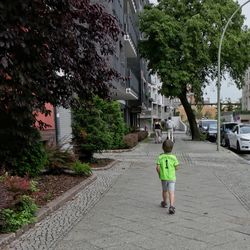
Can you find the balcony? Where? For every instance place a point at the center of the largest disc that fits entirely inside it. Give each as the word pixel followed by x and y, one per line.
pixel 132 87
pixel 128 91
pixel 130 37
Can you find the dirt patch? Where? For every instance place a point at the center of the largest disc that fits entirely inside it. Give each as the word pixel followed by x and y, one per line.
pixel 49 186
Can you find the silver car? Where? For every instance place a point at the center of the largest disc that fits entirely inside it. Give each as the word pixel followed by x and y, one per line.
pixel 239 138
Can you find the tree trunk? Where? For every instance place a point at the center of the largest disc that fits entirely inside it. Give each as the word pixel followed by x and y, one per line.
pixel 191 117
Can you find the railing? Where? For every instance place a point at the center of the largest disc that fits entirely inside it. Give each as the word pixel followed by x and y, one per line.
pixel 132 82
pixel 129 28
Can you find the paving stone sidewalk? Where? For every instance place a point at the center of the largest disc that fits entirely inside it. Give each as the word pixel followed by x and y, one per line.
pixel 121 209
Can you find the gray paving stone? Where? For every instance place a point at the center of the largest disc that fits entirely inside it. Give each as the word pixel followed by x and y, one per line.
pixel 121 209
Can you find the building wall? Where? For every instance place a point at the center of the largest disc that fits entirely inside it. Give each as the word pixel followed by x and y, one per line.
pixel 132 92
pixel 63 124
pixel 48 135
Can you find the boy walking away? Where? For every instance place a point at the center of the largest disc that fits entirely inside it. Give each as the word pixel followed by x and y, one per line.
pixel 167 164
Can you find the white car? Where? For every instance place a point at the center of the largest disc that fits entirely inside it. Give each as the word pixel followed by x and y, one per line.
pixel 239 138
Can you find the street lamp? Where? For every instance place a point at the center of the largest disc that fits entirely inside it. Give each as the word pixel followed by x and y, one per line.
pixel 219 85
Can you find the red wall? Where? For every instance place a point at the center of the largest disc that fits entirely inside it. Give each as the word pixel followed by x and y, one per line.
pixel 50 119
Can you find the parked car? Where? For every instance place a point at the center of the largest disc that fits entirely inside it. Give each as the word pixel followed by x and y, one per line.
pixel 211 132
pixel 239 138
pixel 226 128
pixel 203 125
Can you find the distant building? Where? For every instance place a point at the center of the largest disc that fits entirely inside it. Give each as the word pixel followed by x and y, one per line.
pixel 160 107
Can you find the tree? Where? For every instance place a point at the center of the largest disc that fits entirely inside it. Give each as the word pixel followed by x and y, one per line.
pixel 50 51
pixel 182 39
pixel 97 125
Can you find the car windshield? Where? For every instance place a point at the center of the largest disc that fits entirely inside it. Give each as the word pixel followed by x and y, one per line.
pixel 230 126
pixel 206 123
pixel 245 129
pixel 212 126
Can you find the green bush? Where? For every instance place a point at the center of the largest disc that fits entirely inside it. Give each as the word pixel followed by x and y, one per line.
pixel 32 161
pixel 81 168
pixel 97 126
pixel 17 136
pixel 22 214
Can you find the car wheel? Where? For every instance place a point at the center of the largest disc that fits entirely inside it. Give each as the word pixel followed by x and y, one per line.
pixel 238 147
pixel 229 146
pixel 223 142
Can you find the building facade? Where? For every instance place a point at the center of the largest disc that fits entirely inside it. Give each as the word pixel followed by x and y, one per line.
pixel 160 107
pixel 133 91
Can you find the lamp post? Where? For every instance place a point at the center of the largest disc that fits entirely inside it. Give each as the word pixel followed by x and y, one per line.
pixel 219 74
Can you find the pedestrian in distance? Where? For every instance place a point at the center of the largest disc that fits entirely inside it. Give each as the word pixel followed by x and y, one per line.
pixel 170 129
pixel 158 132
pixel 167 164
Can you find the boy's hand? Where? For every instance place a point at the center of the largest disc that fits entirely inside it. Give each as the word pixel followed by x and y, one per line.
pixel 158 170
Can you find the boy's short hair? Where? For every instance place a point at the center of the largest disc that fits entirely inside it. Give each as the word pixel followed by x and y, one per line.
pixel 167 146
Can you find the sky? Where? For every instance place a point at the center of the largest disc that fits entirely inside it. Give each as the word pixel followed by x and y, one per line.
pixel 228 88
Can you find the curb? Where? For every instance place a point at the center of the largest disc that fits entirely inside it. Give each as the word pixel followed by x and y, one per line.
pixel 118 150
pixel 46 210
pixel 110 165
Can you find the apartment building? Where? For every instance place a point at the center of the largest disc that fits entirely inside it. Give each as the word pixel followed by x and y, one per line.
pixel 133 92
pixel 246 91
pixel 160 107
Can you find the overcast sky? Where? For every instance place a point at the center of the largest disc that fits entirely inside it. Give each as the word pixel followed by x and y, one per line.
pixel 228 88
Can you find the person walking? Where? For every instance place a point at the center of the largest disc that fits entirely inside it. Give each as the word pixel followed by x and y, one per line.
pixel 167 164
pixel 158 132
pixel 170 129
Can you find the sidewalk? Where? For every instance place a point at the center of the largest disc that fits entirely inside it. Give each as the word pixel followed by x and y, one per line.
pixel 212 205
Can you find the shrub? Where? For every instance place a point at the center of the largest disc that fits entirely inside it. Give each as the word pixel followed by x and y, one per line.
pixel 58 158
pixel 17 184
pixel 97 126
pixel 142 135
pixel 131 140
pixel 22 214
pixel 33 160
pixel 81 168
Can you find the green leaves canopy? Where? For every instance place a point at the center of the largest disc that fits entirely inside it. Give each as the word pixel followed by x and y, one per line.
pixel 182 38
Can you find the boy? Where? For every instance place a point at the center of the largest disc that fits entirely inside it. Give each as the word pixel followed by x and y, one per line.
pixel 167 163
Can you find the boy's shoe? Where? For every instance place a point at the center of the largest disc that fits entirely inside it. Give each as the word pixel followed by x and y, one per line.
pixel 171 210
pixel 164 204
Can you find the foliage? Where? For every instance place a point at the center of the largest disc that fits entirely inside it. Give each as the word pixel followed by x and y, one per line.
pixel 59 158
pixel 81 168
pixel 50 51
pixel 33 160
pixel 131 140
pixel 97 125
pixel 182 39
pixel 33 186
pixel 142 135
pixel 17 184
pixel 22 214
